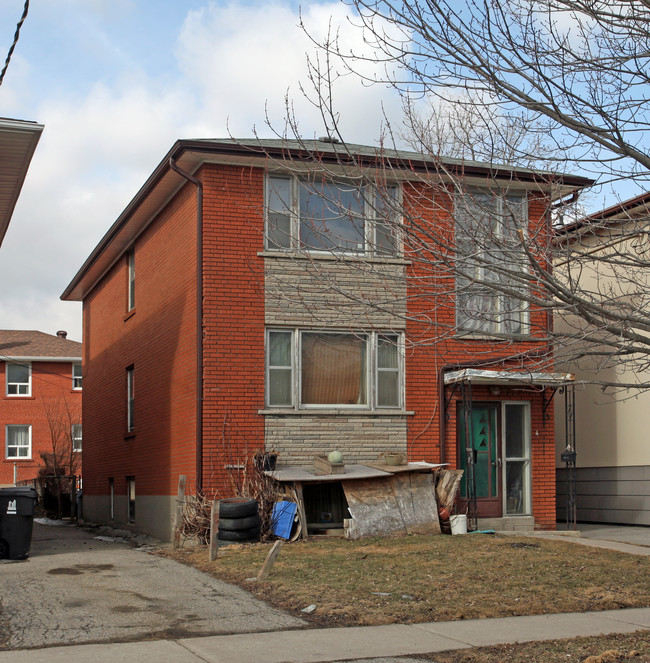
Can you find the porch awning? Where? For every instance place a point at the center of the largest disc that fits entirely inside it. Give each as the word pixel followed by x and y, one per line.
pixel 480 376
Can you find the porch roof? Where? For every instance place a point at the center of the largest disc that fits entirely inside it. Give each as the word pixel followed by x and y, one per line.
pixel 481 376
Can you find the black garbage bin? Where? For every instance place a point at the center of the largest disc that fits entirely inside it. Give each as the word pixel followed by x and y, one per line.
pixel 16 521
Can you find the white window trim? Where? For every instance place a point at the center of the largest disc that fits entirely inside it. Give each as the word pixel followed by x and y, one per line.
pixel 498 326
pixel 295 223
pixel 29 380
pixel 527 459
pixel 371 371
pixel 29 434
pixel 77 377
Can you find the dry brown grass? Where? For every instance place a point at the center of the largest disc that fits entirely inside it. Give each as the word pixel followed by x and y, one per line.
pixel 616 648
pixel 417 578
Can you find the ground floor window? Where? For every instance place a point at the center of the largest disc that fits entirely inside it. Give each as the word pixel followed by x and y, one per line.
pixel 333 369
pixel 19 442
pixel 130 493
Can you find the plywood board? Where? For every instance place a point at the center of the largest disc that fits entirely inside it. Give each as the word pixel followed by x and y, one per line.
pixel 373 508
pixel 416 500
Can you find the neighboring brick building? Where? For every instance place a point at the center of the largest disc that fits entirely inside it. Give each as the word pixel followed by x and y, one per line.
pixel 229 309
pixel 41 405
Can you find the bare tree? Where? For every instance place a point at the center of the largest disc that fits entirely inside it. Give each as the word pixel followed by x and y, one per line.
pixel 63 459
pixel 569 75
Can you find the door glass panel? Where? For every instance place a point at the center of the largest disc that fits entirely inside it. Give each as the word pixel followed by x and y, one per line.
pixel 515 418
pixel 517 460
pixel 515 483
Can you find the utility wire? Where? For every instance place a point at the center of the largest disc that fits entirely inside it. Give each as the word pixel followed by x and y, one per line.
pixel 13 46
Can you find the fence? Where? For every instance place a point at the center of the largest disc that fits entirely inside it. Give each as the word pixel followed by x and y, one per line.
pixel 58 496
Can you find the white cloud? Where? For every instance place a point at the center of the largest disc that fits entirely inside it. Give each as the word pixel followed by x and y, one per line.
pixel 102 140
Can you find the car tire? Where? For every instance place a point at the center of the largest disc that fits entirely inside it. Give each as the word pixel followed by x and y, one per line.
pixel 247 522
pixel 252 534
pixel 237 507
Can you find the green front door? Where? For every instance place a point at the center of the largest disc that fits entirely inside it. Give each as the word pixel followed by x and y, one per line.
pixel 480 447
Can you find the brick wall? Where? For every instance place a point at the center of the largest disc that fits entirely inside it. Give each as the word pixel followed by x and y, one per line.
pixel 234 321
pixel 159 339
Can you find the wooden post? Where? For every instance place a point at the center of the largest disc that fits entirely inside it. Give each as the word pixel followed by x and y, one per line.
pixel 300 501
pixel 270 560
pixel 214 529
pixel 178 517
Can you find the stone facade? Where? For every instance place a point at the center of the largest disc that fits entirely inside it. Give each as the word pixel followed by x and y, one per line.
pixel 299 437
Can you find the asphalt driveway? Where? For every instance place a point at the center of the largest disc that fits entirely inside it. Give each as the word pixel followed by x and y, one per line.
pixel 76 588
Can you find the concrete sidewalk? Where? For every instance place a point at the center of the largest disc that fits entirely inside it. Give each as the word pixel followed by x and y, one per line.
pixel 338 644
pixel 634 540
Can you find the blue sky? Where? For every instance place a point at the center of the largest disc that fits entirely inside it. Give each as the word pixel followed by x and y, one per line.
pixel 116 82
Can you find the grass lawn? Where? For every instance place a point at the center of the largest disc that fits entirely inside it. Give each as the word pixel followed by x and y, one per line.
pixel 412 579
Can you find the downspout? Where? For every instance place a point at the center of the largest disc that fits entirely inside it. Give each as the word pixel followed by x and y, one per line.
pixel 199 321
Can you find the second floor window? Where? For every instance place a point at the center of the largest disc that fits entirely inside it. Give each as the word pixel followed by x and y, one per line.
pixel 326 216
pixel 131 284
pixel 19 379
pixel 490 263
pixel 76 376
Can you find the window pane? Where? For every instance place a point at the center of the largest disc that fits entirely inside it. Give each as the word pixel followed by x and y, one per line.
pixel 515 487
pixel 386 221
pixel 333 369
pixel 279 213
pixel 18 442
pixel 279 231
pixel 76 437
pixel 280 348
pixel 76 376
pixel 387 352
pixel 131 294
pixel 388 389
pixel 515 431
pixel 331 217
pixel 18 373
pixel 280 386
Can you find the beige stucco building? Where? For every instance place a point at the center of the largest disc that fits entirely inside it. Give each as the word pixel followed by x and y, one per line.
pixel 612 426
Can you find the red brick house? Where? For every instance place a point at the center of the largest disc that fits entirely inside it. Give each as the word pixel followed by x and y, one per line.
pixel 41 404
pixel 231 308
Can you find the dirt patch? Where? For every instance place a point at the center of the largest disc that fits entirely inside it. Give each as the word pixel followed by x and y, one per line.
pixel 616 648
pixel 417 578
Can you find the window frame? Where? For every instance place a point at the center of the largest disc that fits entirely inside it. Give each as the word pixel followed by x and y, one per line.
pixel 76 435
pixel 130 296
pixel 130 499
pixel 130 398
pixel 497 321
pixel 371 371
pixel 525 460
pixel 8 384
pixel 292 210
pixel 77 380
pixel 28 445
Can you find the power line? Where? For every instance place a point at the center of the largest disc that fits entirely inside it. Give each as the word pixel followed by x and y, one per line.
pixel 16 36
